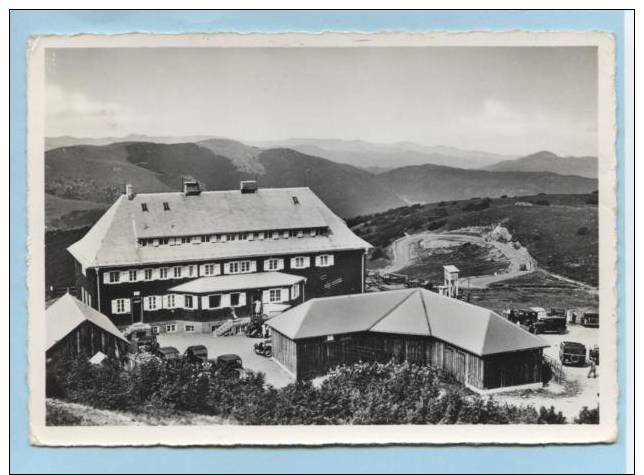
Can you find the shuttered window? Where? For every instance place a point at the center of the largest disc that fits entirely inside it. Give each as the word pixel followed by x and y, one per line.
pixel 300 262
pixel 273 264
pixel 120 306
pixel 325 260
pixel 147 274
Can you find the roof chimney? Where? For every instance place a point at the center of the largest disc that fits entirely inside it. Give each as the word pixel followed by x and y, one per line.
pixel 248 186
pixel 190 186
pixel 129 191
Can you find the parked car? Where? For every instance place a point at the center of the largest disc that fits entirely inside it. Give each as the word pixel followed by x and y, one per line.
pixel 196 352
pixel 230 365
pixel 540 311
pixel 169 354
pixel 590 319
pixel 572 353
pixel 264 348
pixel 557 312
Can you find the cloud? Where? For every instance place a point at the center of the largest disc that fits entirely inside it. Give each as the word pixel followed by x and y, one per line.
pixel 75 113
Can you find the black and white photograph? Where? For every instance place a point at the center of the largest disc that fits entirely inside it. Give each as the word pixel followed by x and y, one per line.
pixel 385 238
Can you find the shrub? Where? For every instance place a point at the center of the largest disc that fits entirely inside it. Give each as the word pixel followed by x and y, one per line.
pixel 583 231
pixel 377 253
pixel 481 205
pixel 436 224
pixel 588 416
pixel 361 393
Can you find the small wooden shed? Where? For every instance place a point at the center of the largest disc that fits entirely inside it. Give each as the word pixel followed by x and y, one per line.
pixel 479 348
pixel 74 328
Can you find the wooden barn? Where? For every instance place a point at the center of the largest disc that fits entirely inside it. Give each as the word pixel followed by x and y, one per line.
pixel 74 328
pixel 479 348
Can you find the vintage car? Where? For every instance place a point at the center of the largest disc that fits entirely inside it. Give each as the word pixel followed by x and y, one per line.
pixel 229 365
pixel 590 319
pixel 169 354
pixel 198 352
pixel 572 353
pixel 535 320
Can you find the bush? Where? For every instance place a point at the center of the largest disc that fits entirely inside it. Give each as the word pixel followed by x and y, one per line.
pixel 583 231
pixel 481 205
pixel 588 416
pixel 436 224
pixel 377 253
pixel 362 393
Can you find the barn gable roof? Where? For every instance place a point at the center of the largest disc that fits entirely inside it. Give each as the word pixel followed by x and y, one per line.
pixel 416 312
pixel 64 315
pixel 112 241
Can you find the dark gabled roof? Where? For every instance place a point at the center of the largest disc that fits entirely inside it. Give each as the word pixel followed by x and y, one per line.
pixel 407 312
pixel 66 313
pixel 112 241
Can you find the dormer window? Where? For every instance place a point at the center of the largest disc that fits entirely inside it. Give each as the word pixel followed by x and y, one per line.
pixel 166 206
pixel 144 206
pixel 296 201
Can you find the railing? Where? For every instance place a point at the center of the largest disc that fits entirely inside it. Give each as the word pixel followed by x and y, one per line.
pixel 230 327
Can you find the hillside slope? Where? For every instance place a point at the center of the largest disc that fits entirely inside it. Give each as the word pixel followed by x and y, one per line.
pixel 431 183
pixel 549 162
pixel 562 233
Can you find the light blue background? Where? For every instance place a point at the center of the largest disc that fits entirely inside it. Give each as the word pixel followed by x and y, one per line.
pixel 24 458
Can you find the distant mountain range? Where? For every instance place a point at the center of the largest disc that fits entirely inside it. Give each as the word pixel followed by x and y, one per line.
pixel 432 183
pixel 97 174
pixel 373 156
pixel 549 162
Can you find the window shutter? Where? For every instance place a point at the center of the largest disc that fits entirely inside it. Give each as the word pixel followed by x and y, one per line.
pixel 280 264
pixel 292 262
pixel 227 268
pixel 202 270
pixel 217 270
pixel 318 261
pixel 331 259
pixel 204 303
pixel 127 306
pixel 165 301
pixel 156 274
pixel 179 301
pixel 106 277
pixel 125 276
pixel 266 296
pixel 225 300
pixel 284 295
pixel 146 303
pixel 242 299
pixel 253 266
pixel 307 261
pixel 267 265
pixel 114 306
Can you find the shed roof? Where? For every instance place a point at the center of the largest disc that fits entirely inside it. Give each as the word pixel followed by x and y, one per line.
pixel 222 283
pixel 407 312
pixel 112 241
pixel 64 315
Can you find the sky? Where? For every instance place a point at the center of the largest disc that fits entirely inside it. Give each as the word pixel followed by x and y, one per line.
pixel 508 100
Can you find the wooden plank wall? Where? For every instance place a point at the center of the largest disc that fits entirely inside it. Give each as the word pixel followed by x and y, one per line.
pixel 88 339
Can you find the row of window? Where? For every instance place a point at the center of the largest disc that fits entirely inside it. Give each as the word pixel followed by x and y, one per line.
pixel 206 302
pixel 212 269
pixel 219 238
